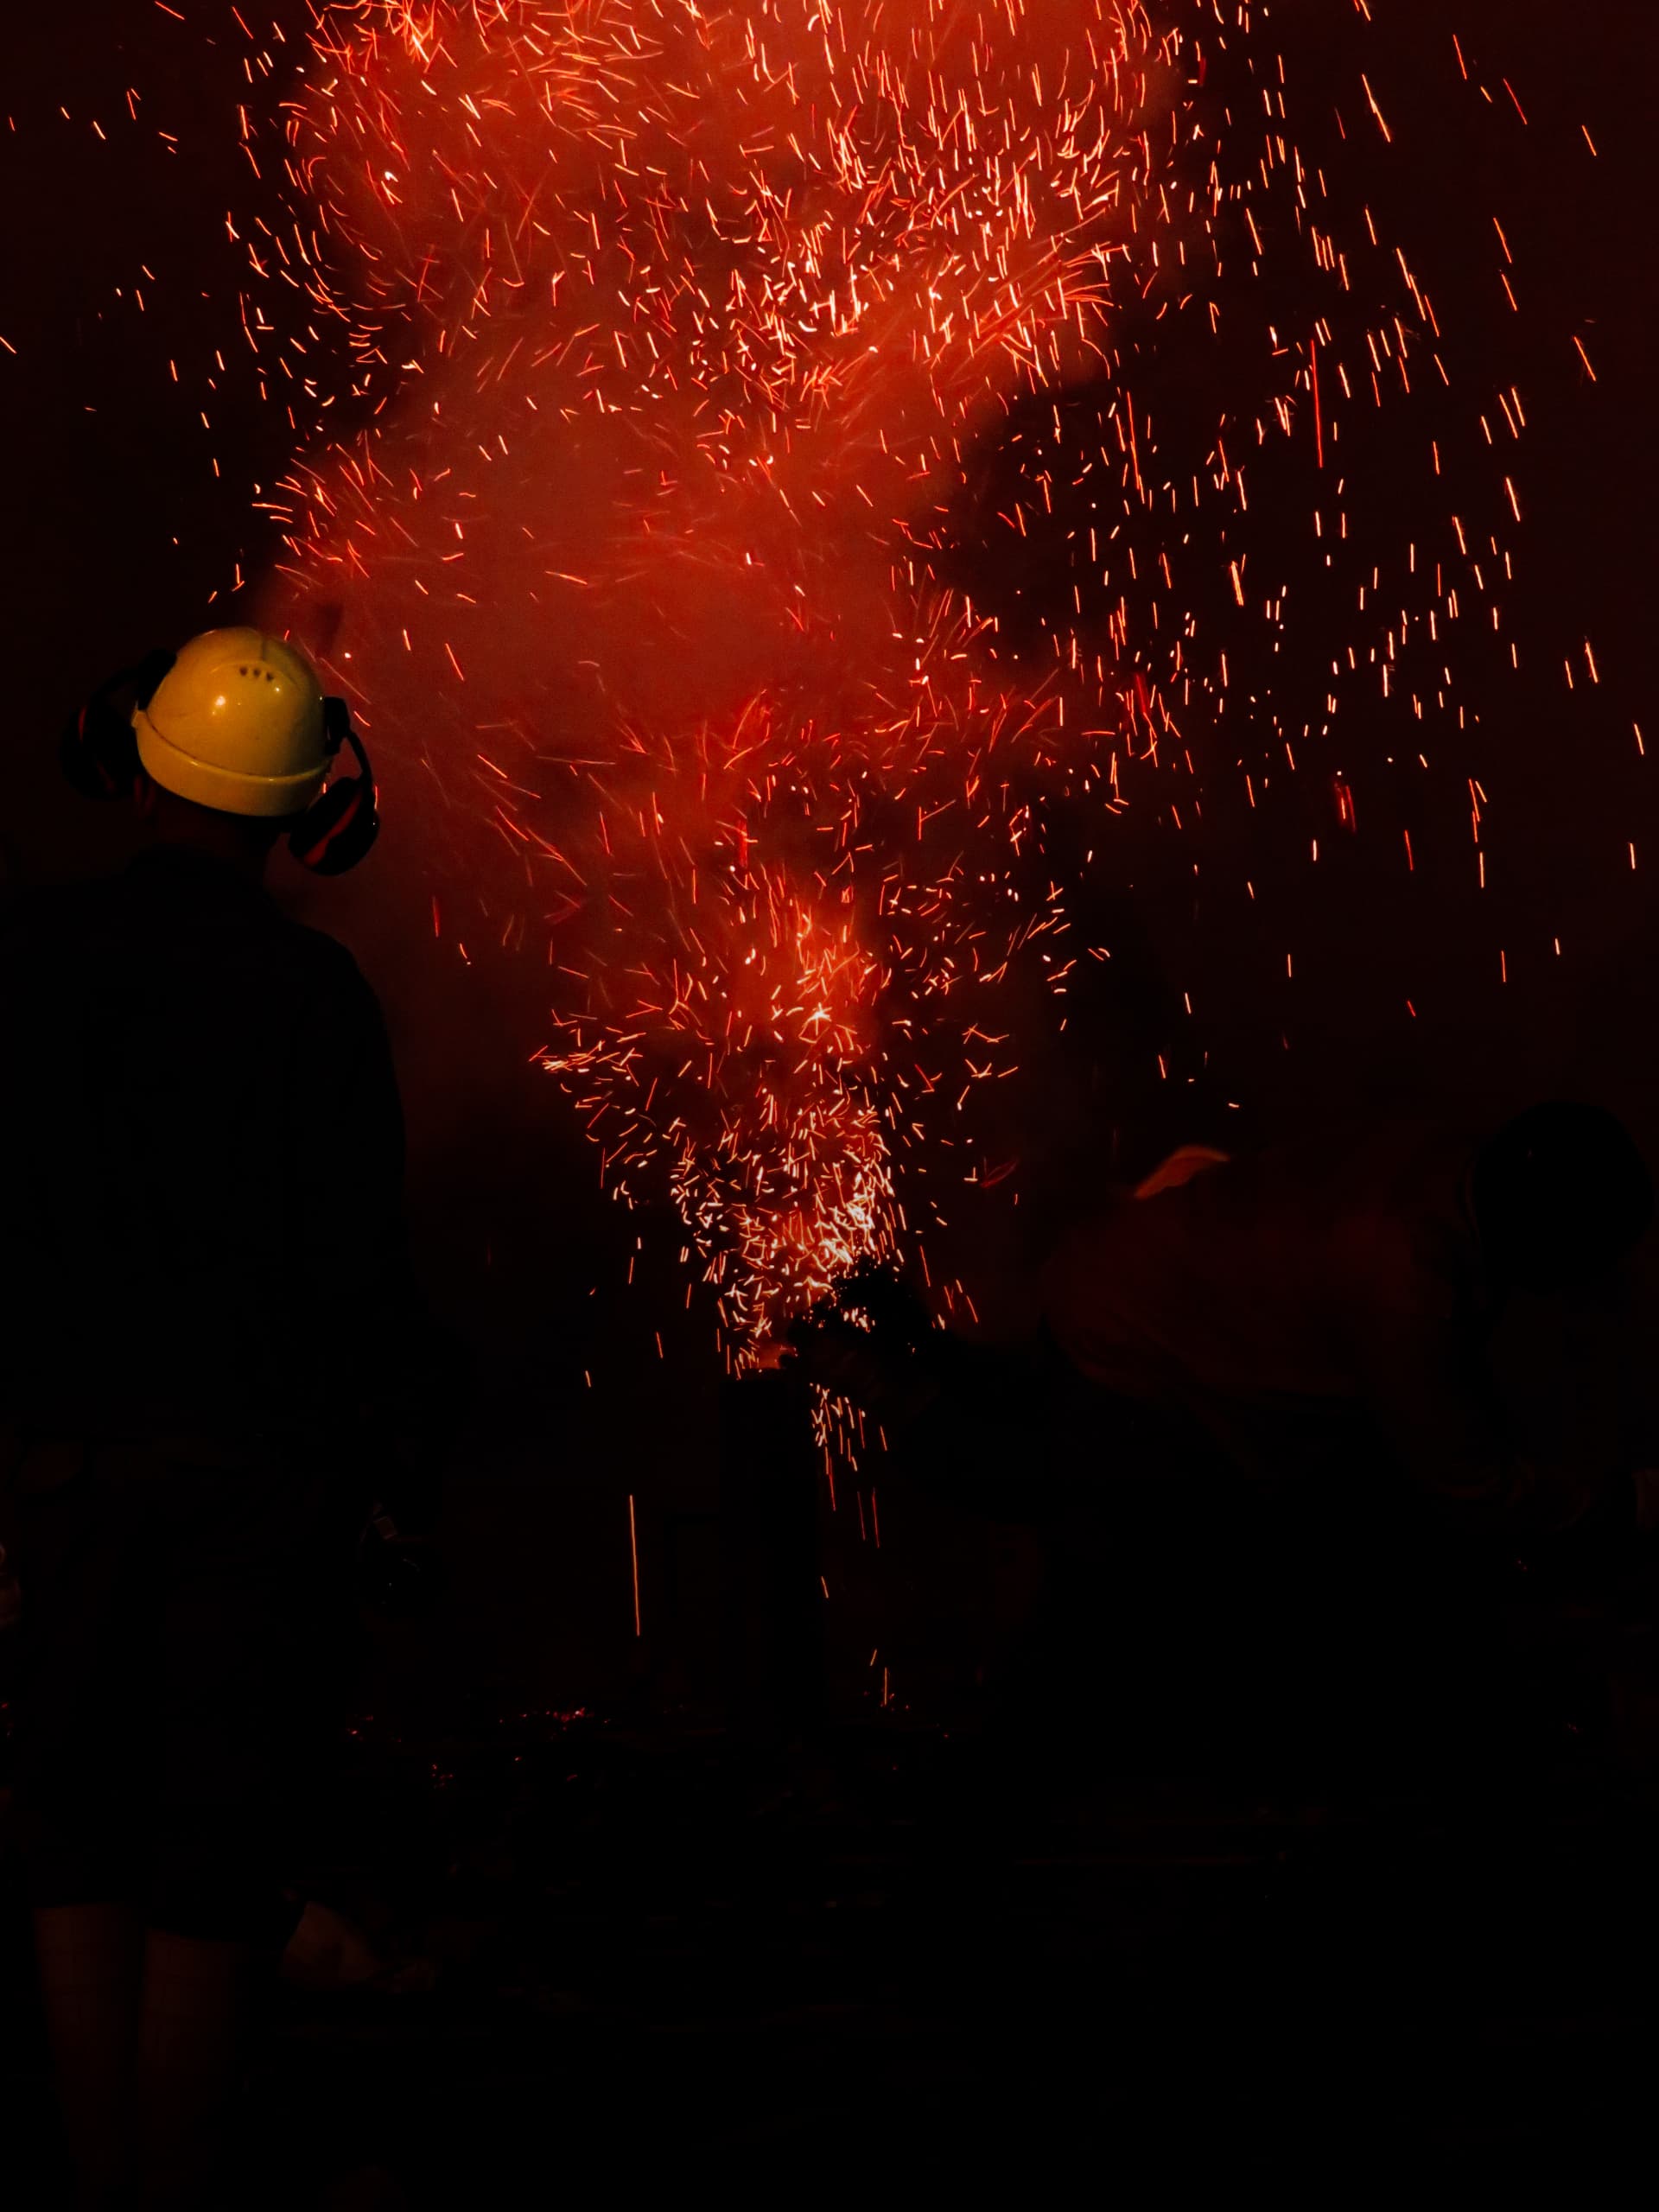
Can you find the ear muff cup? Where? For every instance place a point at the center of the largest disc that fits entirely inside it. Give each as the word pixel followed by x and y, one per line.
pixel 97 750
pixel 339 828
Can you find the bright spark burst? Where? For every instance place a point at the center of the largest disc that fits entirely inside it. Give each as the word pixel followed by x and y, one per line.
pixel 715 652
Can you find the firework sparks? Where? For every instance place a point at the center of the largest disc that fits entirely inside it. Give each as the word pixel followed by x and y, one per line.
pixel 770 519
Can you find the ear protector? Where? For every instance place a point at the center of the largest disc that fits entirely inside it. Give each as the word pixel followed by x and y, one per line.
pixel 342 824
pixel 98 755
pixel 97 751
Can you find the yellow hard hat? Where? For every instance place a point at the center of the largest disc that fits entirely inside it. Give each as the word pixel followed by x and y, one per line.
pixel 237 724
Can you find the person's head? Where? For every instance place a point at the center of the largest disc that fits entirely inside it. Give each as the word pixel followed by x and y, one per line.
pixel 229 745
pixel 1560 1195
pixel 246 841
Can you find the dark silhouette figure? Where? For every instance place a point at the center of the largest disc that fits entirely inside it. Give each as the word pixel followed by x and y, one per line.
pixel 1408 1296
pixel 205 1286
pixel 1406 1300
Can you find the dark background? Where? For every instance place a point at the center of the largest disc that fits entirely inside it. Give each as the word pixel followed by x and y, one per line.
pixel 1281 1953
pixel 130 519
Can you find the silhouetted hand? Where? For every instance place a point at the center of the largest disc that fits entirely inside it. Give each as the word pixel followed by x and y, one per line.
pixel 852 1363
pixel 870 1340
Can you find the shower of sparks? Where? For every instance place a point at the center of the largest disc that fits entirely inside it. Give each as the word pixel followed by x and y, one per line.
pixel 770 521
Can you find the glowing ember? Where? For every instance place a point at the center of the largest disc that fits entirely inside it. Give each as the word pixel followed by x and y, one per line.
pixel 767 525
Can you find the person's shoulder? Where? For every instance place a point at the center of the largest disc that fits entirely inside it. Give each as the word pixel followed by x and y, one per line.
pixel 1073 1266
pixel 325 953
pixel 1407 1210
pixel 36 917
pixel 327 965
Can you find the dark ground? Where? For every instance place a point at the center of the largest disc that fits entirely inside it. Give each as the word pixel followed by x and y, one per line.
pixel 1281 1845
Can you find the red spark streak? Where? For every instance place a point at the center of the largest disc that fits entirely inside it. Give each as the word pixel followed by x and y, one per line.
pixel 683 327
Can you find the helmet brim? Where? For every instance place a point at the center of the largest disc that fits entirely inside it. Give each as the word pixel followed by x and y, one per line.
pixel 226 790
